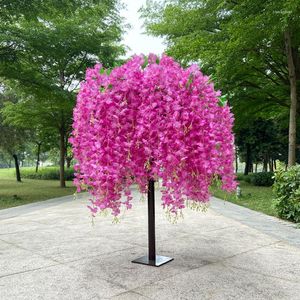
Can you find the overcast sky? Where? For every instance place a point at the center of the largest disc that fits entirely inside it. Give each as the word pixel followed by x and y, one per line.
pixel 135 38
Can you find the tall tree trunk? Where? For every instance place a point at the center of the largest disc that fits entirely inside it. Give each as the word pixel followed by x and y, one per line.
pixel 236 161
pixel 248 160
pixel 68 160
pixel 265 163
pixel 293 95
pixel 62 157
pixel 271 165
pixel 18 174
pixel 38 157
pixel 274 163
pixel 256 167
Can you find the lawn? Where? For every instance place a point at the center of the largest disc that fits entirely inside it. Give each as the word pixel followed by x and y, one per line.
pixel 13 193
pixel 258 198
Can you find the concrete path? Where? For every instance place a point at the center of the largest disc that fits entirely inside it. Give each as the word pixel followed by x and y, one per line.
pixel 51 250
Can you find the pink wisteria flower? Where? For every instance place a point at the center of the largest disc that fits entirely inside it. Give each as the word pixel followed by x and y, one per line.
pixel 151 118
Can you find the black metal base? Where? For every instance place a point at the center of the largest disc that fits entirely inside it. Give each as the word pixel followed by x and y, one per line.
pixel 159 261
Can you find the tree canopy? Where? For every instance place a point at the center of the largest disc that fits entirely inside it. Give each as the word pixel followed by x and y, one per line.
pixel 243 44
pixel 45 48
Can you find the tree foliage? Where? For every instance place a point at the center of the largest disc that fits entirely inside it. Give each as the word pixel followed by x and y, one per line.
pixel 12 139
pixel 45 49
pixel 241 43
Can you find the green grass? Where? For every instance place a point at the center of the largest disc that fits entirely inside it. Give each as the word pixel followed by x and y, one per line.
pixel 47 173
pixel 254 197
pixel 13 193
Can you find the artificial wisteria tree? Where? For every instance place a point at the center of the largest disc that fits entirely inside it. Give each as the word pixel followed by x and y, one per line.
pixel 151 119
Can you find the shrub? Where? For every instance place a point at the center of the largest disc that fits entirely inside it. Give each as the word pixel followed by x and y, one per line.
pixel 246 178
pixel 262 179
pixel 49 173
pixel 287 191
pixel 240 176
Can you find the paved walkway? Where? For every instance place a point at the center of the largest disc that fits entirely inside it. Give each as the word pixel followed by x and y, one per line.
pixel 50 250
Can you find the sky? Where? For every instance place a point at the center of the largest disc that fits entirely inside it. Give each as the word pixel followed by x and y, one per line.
pixel 135 37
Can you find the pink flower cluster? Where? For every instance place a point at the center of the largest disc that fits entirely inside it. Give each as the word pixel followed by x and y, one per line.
pixel 150 118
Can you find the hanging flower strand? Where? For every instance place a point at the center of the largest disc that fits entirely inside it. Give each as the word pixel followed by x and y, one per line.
pixel 154 119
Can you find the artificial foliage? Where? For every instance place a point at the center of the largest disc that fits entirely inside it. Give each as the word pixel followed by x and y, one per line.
pixel 151 119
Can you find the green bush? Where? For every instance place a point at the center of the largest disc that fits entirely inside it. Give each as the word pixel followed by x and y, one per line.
pixel 48 173
pixel 287 191
pixel 246 178
pixel 240 176
pixel 262 179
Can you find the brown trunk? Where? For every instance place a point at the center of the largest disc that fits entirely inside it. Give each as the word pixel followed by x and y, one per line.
pixel 248 160
pixel 68 160
pixel 271 165
pixel 236 162
pixel 265 165
pixel 62 157
pixel 293 95
pixel 18 174
pixel 38 157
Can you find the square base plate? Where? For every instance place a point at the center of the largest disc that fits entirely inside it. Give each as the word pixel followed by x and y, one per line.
pixel 159 261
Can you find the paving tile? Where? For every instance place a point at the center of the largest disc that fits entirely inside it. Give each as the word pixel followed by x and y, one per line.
pixel 51 250
pixel 219 282
pixel 15 260
pixel 279 260
pixel 118 268
pixel 64 245
pixel 56 283
pixel 130 296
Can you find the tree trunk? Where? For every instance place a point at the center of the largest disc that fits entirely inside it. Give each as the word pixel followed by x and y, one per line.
pixel 293 95
pixel 62 157
pixel 271 165
pixel 265 163
pixel 265 166
pixel 68 160
pixel 18 174
pixel 248 160
pixel 274 163
pixel 236 161
pixel 256 167
pixel 38 157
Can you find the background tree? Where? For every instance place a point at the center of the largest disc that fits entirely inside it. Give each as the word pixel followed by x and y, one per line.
pixel 44 54
pixel 12 139
pixel 261 141
pixel 251 48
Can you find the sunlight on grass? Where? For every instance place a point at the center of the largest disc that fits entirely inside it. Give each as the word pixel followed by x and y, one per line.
pixel 258 198
pixel 13 193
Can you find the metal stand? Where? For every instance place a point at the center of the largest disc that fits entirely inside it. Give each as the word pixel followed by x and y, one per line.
pixel 152 259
